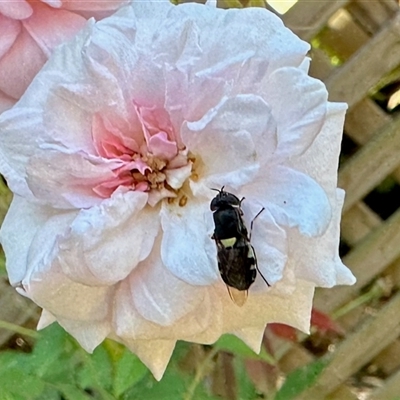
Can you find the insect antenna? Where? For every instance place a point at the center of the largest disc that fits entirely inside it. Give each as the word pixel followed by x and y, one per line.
pixel 218 190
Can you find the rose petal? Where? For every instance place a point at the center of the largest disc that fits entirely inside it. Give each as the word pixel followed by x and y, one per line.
pixel 187 249
pixel 9 31
pixel 320 161
pixel 59 295
pixel 6 102
pixel 317 259
pixel 105 243
pixel 19 228
pixel 53 3
pixel 155 354
pixel 67 180
pixel 235 126
pixel 21 63
pixel 43 280
pixel 158 295
pixel 293 198
pixel 46 319
pixel 292 310
pixel 89 334
pixel 16 9
pixel 252 336
pixel 17 141
pixel 62 24
pixel 300 113
pixel 204 322
pixel 176 177
pixel 270 245
pixel 281 47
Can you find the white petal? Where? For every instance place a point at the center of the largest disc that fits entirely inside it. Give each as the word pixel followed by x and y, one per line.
pixel 155 354
pixel 52 290
pixel 300 112
pixel 235 32
pixel 252 336
pixel 47 285
pixel 204 323
pixel 320 161
pixel 270 245
pixel 19 228
pixel 176 177
pixel 187 249
pixel 46 319
pixel 106 242
pixel 18 137
pixel 158 295
pixel 242 126
pixel 260 308
pixel 317 259
pixel 66 180
pixel 293 198
pixel 89 334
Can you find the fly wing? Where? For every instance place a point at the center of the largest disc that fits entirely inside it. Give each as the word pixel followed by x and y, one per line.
pixel 239 297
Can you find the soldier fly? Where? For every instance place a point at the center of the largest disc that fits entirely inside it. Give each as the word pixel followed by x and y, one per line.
pixel 237 262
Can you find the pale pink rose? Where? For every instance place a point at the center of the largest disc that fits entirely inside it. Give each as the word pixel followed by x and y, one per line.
pixel 29 32
pixel 111 154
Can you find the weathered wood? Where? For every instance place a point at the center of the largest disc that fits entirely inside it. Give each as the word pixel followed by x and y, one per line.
pixel 371 164
pixel 358 222
pixel 352 81
pixel 389 391
pixel 342 35
pixel 371 15
pixel 364 120
pixel 388 360
pixel 372 255
pixel 357 350
pixel 343 393
pixel 306 18
pixel 14 308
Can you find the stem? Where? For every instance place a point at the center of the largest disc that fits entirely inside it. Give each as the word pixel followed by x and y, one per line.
pixel 200 372
pixel 18 329
pixel 375 292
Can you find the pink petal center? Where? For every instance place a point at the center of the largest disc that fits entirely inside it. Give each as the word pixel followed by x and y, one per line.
pixel 145 166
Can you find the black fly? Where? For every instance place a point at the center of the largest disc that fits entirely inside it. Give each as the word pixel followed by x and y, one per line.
pixel 237 260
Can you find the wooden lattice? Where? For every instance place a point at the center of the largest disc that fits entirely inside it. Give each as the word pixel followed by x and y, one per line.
pixel 356 51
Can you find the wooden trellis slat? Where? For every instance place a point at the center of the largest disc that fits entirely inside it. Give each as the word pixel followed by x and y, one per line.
pixel 352 81
pixel 358 222
pixel 389 391
pixel 364 120
pixel 372 14
pixel 372 255
pixel 306 18
pixel 376 160
pixel 357 350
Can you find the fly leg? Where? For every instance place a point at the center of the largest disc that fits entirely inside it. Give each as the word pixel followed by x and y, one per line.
pixel 255 258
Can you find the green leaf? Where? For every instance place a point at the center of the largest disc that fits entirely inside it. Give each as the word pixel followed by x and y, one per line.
pixel 235 346
pixel 245 387
pixel 128 371
pixel 230 4
pixel 19 383
pixel 71 392
pixel 97 370
pixel 300 379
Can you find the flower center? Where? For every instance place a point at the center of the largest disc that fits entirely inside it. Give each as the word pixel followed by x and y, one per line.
pixel 153 175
